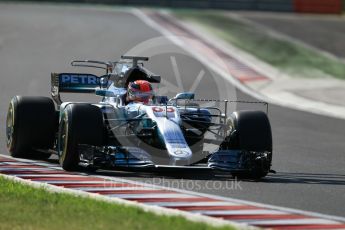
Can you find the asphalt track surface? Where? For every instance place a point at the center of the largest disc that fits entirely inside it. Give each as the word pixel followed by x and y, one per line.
pixel 309 150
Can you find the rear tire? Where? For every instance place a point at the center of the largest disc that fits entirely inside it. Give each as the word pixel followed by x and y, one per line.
pixel 31 124
pixel 79 124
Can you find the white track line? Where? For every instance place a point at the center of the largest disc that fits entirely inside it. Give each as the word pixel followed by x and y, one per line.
pixel 53 182
pixel 292 222
pixel 44 175
pixel 150 195
pixel 192 204
pixel 79 182
pixel 92 189
pixel 13 163
pixel 25 169
pixel 48 165
pixel 240 212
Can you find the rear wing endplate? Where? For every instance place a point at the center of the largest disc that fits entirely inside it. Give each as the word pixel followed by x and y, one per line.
pixel 72 83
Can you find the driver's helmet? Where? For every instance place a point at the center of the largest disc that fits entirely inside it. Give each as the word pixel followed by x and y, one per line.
pixel 140 91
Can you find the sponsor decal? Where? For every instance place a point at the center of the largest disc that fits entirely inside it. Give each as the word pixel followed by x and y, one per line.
pixel 179 152
pixel 162 109
pixel 78 79
pixel 157 109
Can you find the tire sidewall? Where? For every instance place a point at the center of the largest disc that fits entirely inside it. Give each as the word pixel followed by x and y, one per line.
pixel 11 116
pixel 79 124
pixel 66 144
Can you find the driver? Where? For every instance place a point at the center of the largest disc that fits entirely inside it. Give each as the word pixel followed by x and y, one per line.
pixel 139 91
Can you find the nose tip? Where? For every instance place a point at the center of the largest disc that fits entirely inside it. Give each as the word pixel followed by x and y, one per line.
pixel 182 154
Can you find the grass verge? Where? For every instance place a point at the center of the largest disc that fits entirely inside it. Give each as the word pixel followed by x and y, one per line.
pixel 25 207
pixel 292 58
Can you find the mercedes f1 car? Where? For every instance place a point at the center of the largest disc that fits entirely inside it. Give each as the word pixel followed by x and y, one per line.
pixel 111 134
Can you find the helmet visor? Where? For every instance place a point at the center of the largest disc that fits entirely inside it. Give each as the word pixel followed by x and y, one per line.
pixel 140 96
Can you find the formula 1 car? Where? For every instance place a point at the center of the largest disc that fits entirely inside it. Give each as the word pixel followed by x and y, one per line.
pixel 111 134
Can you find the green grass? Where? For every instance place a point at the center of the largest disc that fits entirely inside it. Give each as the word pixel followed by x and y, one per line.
pixel 24 207
pixel 289 57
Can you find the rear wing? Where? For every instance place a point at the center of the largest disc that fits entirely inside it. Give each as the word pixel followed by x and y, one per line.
pixel 72 83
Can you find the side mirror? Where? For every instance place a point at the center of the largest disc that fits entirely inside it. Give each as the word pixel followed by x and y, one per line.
pixel 185 95
pixel 161 100
pixel 103 81
pixel 104 93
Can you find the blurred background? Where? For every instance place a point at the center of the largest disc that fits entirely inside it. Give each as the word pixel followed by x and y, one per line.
pixel 302 6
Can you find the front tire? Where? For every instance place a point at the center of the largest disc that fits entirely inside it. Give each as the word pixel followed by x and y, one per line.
pixel 251 131
pixel 30 124
pixel 79 124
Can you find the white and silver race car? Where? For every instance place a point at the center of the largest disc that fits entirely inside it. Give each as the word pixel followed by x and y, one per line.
pixel 113 134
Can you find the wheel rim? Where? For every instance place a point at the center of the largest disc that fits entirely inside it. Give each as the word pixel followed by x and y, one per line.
pixel 10 126
pixel 63 139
